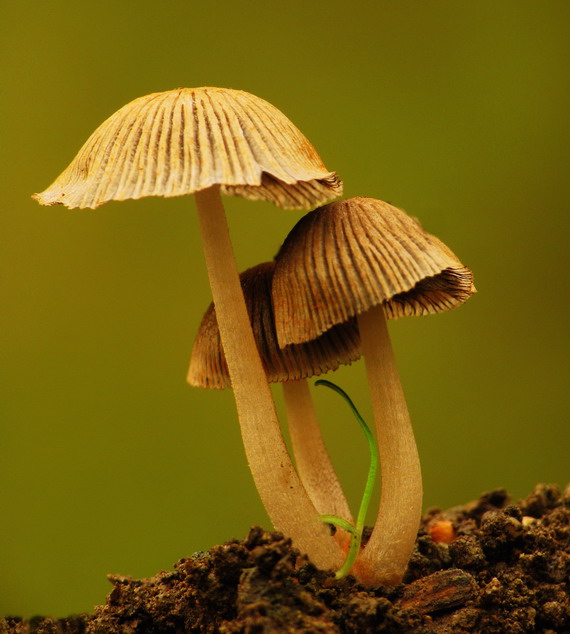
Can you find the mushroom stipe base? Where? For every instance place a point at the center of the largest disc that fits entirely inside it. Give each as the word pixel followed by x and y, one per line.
pixel 505 570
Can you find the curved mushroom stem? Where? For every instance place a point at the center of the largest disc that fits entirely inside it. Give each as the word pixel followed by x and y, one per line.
pixel 385 557
pixel 311 456
pixel 278 484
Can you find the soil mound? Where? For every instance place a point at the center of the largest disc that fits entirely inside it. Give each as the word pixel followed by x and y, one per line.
pixel 488 566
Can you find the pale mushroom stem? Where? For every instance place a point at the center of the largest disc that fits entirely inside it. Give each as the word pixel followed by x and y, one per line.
pixel 385 557
pixel 284 497
pixel 311 456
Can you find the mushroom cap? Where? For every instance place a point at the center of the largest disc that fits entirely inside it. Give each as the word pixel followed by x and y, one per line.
pixel 348 256
pixel 208 368
pixel 181 141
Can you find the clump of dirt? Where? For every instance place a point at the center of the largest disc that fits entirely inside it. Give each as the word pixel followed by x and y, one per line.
pixel 488 566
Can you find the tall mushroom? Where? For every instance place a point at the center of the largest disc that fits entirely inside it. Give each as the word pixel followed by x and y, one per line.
pixel 363 257
pixel 291 367
pixel 201 140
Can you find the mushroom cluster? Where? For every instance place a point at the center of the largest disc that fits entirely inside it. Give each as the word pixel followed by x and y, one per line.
pixel 344 269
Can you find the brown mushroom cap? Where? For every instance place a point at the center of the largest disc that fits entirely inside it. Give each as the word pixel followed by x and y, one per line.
pixel 181 141
pixel 338 346
pixel 350 255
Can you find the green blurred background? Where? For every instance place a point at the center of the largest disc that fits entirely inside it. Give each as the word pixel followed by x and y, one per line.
pixel 455 111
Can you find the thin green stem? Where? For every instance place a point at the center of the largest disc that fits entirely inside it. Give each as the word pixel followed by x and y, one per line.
pixel 356 531
pixel 335 520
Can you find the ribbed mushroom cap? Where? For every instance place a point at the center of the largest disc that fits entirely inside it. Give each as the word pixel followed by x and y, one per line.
pixel 338 346
pixel 348 256
pixel 181 141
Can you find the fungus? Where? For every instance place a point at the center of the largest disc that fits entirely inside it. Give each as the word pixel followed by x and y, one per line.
pixel 365 258
pixel 201 140
pixel 291 367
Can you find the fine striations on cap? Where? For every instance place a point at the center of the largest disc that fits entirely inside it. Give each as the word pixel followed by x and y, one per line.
pixel 181 141
pixel 348 256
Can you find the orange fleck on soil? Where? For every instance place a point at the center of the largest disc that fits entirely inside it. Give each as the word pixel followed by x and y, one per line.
pixel 442 531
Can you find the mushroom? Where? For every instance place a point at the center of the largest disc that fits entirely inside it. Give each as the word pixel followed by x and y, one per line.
pixel 365 258
pixel 201 140
pixel 291 367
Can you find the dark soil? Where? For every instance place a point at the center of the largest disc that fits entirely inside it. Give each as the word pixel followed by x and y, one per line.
pixel 505 568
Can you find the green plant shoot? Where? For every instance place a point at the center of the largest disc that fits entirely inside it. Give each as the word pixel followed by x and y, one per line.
pixel 355 531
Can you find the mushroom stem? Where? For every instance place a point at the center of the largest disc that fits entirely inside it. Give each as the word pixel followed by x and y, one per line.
pixel 311 456
pixel 385 557
pixel 284 497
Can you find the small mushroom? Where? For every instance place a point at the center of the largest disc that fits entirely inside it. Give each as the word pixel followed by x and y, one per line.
pixel 291 367
pixel 365 258
pixel 201 140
